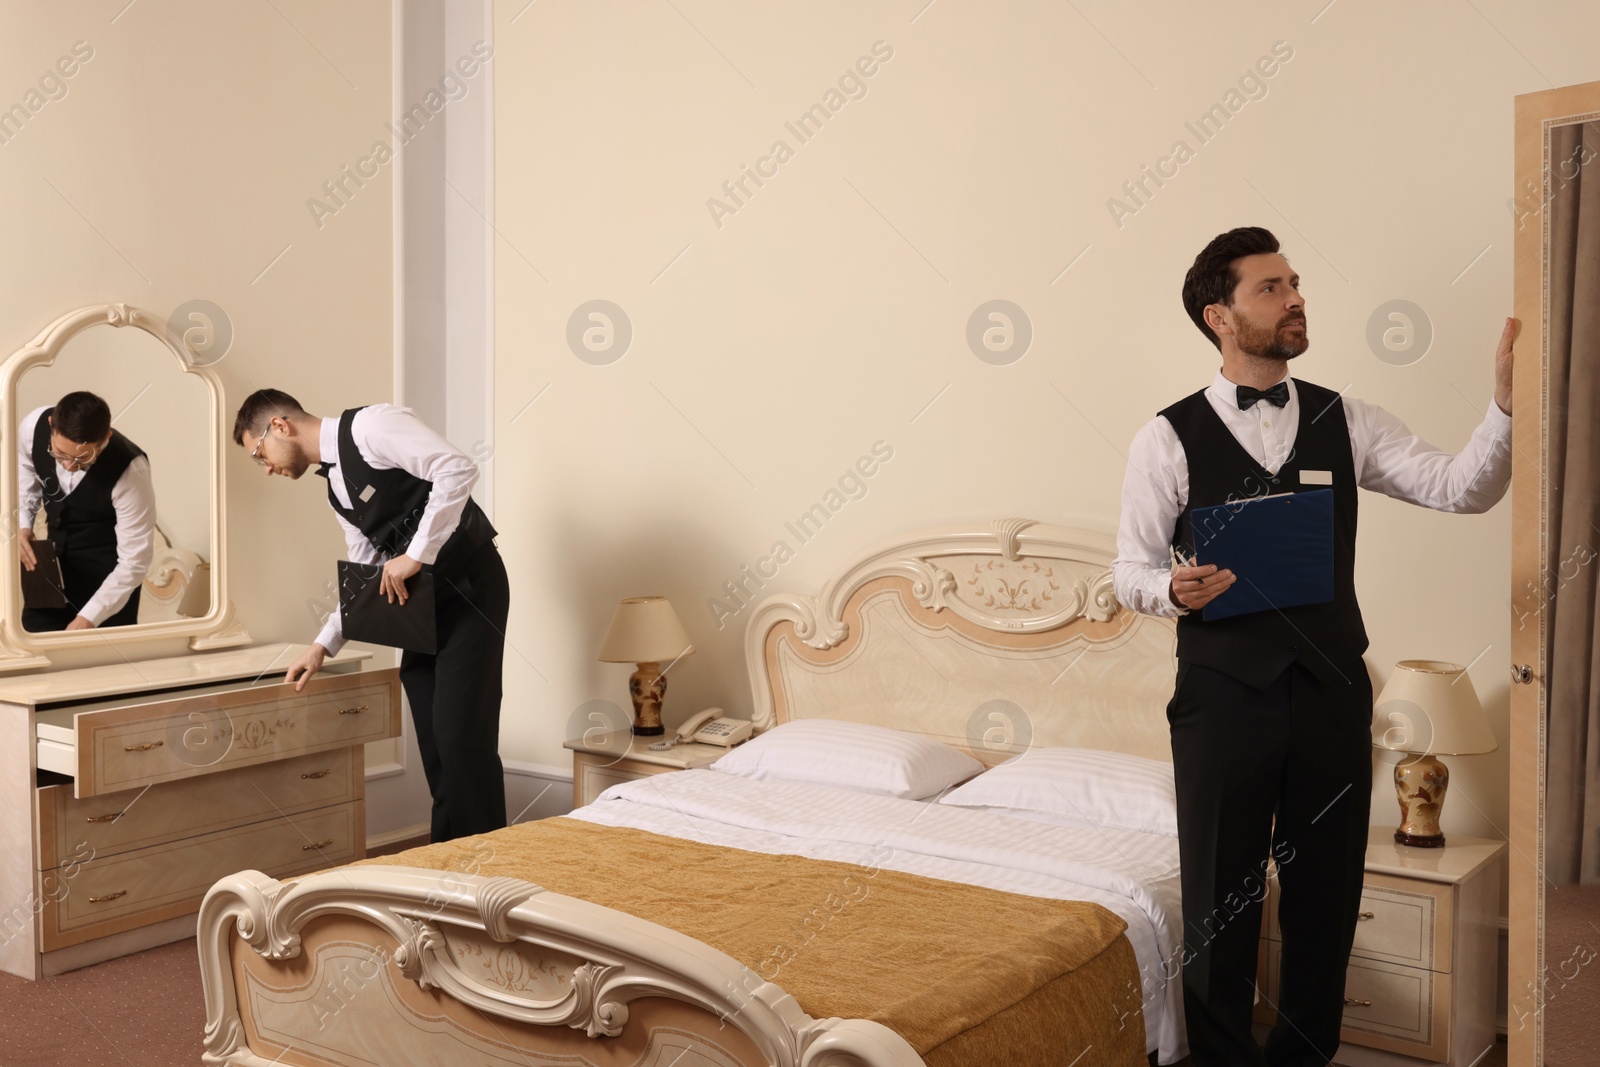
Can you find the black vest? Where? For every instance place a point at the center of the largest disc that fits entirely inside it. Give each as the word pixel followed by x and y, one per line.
pixel 1327 639
pixel 387 505
pixel 83 523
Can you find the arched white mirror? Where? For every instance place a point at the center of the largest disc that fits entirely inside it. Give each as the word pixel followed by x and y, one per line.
pixel 111 478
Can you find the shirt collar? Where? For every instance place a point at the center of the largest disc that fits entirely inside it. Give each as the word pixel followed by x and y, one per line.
pixel 328 441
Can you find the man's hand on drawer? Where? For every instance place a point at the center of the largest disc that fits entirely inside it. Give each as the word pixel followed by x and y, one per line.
pixel 309 663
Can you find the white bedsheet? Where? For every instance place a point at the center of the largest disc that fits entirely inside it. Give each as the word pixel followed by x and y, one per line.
pixel 1133 874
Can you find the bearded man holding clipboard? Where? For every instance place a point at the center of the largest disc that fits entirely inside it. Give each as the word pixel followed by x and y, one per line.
pixel 1272 709
pixel 402 494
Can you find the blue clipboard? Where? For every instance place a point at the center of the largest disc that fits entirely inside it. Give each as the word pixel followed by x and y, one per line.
pixel 1279 547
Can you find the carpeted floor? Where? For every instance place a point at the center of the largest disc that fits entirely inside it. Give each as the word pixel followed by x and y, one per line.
pixel 1572 956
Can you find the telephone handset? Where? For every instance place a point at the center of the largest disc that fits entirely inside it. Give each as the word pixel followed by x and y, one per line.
pixel 711 728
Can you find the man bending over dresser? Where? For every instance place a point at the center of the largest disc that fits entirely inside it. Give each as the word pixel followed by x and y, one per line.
pixel 403 495
pixel 1271 710
pixel 100 512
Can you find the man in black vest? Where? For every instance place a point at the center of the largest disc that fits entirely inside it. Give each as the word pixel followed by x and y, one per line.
pixel 402 493
pixel 100 512
pixel 1271 710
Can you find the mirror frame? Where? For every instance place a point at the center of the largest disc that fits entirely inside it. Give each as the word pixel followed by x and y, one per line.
pixel 218 628
pixel 1536 115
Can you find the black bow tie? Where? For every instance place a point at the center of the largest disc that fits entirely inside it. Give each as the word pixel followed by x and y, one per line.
pixel 1277 396
pixel 324 468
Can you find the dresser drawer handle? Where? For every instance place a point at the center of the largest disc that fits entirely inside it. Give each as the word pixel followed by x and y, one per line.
pixel 108 896
pixel 113 817
pixel 146 747
pixel 1355 1002
pixel 316 845
pixel 352 711
pixel 1364 916
pixel 317 774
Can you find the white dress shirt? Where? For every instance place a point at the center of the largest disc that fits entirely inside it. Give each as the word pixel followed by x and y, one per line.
pixel 133 497
pixel 1388 459
pixel 388 437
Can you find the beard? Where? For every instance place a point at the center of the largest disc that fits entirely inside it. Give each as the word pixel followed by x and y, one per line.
pixel 1275 343
pixel 296 465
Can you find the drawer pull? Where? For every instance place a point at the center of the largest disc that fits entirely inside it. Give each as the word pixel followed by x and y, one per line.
pixel 317 774
pixel 146 747
pixel 1356 1002
pixel 113 817
pixel 108 896
pixel 353 711
pixel 1364 916
pixel 316 845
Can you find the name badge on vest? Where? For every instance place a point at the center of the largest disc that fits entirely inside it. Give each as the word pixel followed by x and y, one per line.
pixel 366 494
pixel 1306 478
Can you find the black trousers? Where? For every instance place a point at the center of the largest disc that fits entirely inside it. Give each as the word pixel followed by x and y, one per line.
pixel 1286 772
pixel 455 697
pixel 41 620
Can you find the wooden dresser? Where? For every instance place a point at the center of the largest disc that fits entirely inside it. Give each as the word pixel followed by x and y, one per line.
pixel 127 790
pixel 1420 987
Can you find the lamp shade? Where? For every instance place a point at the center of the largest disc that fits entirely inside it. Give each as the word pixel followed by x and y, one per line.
pixel 1430 706
pixel 644 629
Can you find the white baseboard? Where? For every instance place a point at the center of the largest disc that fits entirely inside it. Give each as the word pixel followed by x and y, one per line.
pixel 536 791
pixel 389 837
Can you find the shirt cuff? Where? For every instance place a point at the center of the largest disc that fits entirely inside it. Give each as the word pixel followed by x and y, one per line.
pixel 330 638
pixel 425 553
pixel 1498 420
pixel 95 616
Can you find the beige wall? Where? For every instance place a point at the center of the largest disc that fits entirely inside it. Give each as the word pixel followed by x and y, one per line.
pixel 177 165
pixel 828 312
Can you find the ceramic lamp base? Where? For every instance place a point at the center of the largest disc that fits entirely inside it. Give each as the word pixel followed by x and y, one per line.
pixel 647 686
pixel 1420 783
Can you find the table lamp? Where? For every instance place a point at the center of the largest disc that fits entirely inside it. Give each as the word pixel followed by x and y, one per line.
pixel 1427 709
pixel 645 631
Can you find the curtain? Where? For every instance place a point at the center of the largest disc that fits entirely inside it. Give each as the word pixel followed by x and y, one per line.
pixel 1572 465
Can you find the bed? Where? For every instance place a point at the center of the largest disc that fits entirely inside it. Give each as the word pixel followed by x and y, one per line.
pixel 739 917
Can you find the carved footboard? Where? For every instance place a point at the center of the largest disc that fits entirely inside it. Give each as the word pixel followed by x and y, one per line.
pixel 400 965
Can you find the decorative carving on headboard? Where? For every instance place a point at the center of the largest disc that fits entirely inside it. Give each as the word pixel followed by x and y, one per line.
pixel 1007 530
pixel 995 576
pixel 1005 609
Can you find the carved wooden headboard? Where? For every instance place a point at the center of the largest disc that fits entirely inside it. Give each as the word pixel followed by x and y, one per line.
pixel 177 585
pixel 990 638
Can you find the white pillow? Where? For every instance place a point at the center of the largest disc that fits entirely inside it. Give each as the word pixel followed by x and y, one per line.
pixel 850 755
pixel 1078 787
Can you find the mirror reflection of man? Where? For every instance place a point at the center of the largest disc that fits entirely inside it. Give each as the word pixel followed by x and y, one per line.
pixel 403 496
pixel 1271 710
pixel 100 512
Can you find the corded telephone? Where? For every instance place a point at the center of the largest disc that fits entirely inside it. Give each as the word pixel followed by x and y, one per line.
pixel 711 728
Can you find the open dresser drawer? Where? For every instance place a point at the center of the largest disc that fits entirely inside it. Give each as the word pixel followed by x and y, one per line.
pixel 118 745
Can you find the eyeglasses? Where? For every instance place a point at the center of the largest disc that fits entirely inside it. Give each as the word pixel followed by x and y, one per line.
pixel 83 462
pixel 255 453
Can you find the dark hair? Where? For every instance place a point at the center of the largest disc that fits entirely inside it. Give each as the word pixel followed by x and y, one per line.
pixel 81 418
pixel 1212 279
pixel 260 408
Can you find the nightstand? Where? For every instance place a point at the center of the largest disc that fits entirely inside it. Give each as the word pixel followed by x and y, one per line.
pixel 600 761
pixel 1421 982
